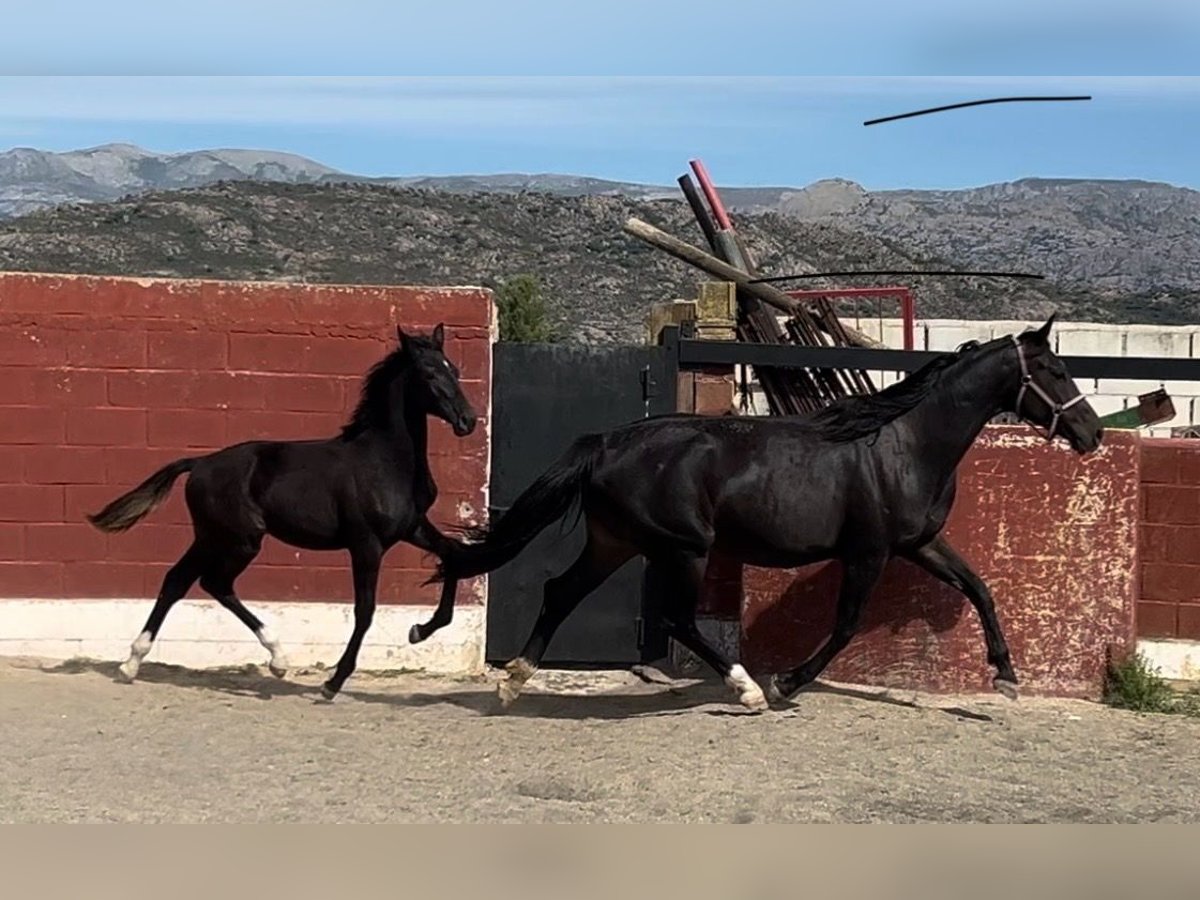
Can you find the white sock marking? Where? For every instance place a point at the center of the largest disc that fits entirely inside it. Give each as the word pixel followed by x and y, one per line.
pixel 748 691
pixel 137 652
pixel 267 638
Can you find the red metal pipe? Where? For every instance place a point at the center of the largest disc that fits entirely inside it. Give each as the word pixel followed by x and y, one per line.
pixel 908 313
pixel 710 192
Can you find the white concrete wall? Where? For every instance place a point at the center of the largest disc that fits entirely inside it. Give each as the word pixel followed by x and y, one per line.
pixel 1071 339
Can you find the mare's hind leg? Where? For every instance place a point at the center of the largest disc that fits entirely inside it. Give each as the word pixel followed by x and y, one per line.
pixel 860 576
pixel 682 577
pixel 177 582
pixel 221 570
pixel 939 559
pixel 602 556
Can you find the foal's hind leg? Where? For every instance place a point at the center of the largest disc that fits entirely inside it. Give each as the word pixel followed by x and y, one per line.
pixel 221 571
pixel 939 559
pixel 177 582
pixel 600 558
pixel 682 578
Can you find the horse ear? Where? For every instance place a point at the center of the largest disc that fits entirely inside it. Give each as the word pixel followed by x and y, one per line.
pixel 402 337
pixel 439 335
pixel 1043 333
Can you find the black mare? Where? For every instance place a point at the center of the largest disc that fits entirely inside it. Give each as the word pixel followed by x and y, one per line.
pixel 364 490
pixel 864 480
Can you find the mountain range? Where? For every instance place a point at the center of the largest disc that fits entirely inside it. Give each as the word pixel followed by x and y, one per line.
pixel 1110 250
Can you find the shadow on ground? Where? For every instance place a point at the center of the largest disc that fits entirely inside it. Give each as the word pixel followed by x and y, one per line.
pixel 478 696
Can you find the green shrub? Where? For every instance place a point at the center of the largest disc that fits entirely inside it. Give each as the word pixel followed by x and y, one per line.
pixel 523 314
pixel 1134 684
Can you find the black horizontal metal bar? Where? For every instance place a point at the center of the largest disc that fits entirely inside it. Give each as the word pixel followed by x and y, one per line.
pixel 694 353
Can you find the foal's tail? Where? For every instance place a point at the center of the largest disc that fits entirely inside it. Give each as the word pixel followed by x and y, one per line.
pixel 129 509
pixel 546 500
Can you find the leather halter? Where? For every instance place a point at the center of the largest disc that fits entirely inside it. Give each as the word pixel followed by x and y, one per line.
pixel 1028 384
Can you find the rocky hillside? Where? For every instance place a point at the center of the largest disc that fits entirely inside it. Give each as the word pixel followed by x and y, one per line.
pixel 1107 236
pixel 599 280
pixel 1114 250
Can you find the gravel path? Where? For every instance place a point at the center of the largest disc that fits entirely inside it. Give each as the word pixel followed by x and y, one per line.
pixel 241 746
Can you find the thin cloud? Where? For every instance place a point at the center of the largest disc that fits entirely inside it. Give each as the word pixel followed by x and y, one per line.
pixel 501 105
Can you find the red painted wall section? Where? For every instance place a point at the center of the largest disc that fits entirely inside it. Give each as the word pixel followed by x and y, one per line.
pixel 1169 600
pixel 105 379
pixel 1055 537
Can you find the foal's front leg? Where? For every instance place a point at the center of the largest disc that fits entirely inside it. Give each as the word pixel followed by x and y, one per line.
pixel 428 538
pixel 365 561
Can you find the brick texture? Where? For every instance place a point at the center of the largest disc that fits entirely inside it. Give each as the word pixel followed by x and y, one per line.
pixel 105 379
pixel 1169 602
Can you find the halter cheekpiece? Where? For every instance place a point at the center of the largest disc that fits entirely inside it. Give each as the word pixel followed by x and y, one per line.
pixel 1028 384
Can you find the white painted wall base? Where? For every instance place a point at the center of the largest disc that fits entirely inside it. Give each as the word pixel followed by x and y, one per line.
pixel 200 634
pixel 1175 660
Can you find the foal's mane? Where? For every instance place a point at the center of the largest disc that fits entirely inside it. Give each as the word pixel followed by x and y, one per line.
pixel 373 407
pixel 861 415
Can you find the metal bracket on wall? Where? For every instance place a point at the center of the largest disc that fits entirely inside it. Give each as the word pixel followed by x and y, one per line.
pixel 649 388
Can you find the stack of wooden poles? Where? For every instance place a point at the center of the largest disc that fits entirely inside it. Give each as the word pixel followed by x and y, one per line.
pixel 790 391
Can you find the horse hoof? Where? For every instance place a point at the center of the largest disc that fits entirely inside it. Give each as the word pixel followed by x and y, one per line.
pixel 126 674
pixel 1005 687
pixel 508 693
pixel 772 691
pixel 278 669
pixel 327 692
pixel 414 635
pixel 755 701
pixel 777 693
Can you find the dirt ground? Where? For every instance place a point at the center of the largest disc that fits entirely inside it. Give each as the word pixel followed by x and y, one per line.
pixel 241 746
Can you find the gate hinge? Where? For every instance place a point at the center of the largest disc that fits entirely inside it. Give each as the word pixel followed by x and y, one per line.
pixel 649 385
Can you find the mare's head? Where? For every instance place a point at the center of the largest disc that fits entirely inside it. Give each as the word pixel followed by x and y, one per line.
pixel 1048 397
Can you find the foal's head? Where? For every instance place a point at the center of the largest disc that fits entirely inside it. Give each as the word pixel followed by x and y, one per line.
pixel 434 384
pixel 1047 395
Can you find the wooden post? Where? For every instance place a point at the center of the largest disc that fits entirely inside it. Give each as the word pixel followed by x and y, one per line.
pixel 712 265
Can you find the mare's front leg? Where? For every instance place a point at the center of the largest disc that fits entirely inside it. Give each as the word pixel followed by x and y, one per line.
pixel 427 537
pixel 364 558
pixel 859 578
pixel 939 559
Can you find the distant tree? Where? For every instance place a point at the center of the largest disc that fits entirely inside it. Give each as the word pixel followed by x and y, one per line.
pixel 523 316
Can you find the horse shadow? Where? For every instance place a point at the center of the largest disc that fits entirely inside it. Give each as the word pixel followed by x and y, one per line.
pixel 707 696
pixel 245 681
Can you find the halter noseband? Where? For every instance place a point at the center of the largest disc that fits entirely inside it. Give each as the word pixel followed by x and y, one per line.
pixel 1028 384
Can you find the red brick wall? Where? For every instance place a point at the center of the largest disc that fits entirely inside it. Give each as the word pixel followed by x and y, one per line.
pixel 1169 600
pixel 105 379
pixel 1053 535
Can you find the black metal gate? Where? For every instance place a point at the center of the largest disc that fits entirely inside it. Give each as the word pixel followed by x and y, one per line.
pixel 544 396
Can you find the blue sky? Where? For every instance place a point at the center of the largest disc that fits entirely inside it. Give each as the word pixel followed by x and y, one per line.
pixel 766 130
pixel 613 37
pixel 765 91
